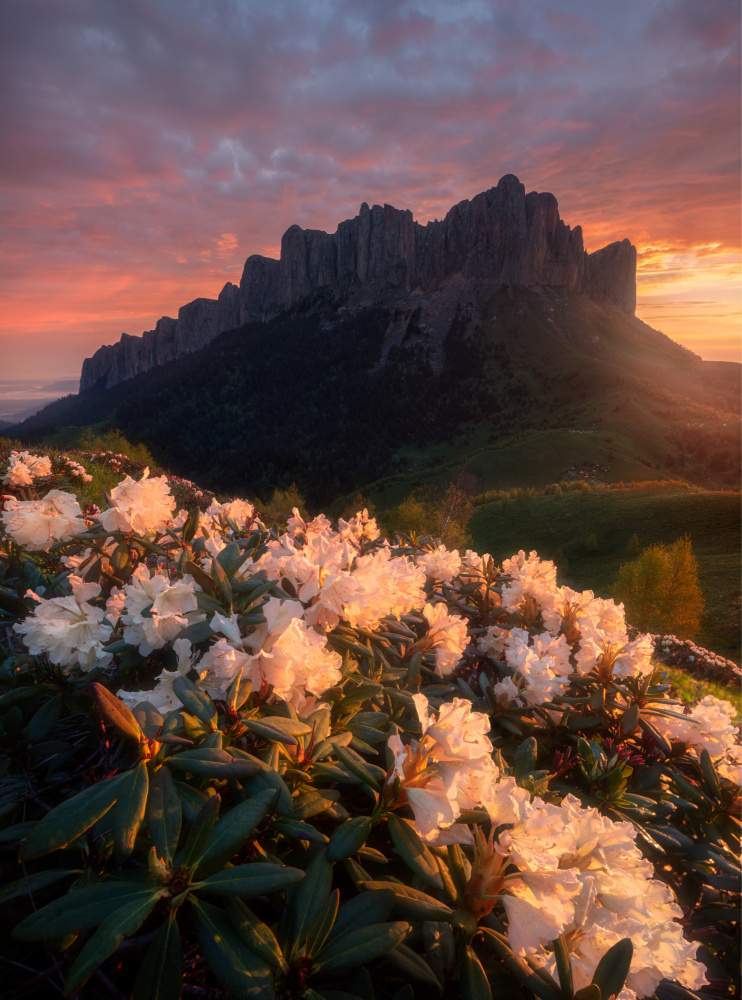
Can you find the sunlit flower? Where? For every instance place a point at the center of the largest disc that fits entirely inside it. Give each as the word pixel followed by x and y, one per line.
pixel 38 524
pixel 144 507
pixel 69 630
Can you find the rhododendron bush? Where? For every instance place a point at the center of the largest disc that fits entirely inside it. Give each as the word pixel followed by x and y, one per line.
pixel 252 761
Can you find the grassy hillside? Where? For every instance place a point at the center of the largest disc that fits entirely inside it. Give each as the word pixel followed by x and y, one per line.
pixel 557 527
pixel 304 398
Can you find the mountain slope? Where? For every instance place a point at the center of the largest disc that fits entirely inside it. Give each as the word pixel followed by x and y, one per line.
pixel 334 397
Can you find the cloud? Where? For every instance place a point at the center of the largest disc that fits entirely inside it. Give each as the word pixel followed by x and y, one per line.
pixel 138 136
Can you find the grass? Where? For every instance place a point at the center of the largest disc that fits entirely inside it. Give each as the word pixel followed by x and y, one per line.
pixel 690 689
pixel 558 528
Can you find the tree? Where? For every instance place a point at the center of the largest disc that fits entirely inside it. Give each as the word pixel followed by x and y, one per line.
pixel 660 590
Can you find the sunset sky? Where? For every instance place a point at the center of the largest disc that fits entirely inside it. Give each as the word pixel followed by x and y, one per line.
pixel 149 146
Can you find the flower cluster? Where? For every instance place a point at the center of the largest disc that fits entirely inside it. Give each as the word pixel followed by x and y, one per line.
pixel 23 468
pixel 283 661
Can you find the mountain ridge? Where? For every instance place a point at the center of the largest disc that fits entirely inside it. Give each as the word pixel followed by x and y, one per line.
pixel 502 237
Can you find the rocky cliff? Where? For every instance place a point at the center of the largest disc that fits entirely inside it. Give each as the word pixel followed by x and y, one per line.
pixel 501 237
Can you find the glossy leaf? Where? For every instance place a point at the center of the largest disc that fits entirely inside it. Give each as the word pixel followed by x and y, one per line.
pixel 161 974
pixel 474 985
pixel 357 947
pixel 414 852
pixel 115 712
pixel 164 814
pixel 322 925
pixel 197 702
pixel 411 902
pixel 231 832
pixel 243 973
pixel 251 880
pixel 256 935
pixel 413 966
pixel 310 896
pixel 211 762
pixel 34 882
pixel 79 909
pixel 613 968
pixel 45 718
pixel 130 806
pixel 106 939
pixel 349 837
pixel 71 818
pixel 200 831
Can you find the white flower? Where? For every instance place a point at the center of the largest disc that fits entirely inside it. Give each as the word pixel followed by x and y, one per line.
pixel 38 524
pixel 440 564
pixel 156 609
pixel 144 507
pixel 446 635
pixel 707 726
pixel 533 579
pixel 360 528
pixel 23 468
pixel 68 629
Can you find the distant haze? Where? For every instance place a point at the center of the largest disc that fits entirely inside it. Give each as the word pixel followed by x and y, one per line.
pixel 19 398
pixel 149 148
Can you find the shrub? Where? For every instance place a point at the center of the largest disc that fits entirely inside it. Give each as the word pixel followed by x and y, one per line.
pixel 309 763
pixel 660 589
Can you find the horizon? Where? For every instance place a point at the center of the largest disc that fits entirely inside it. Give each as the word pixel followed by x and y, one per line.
pixel 150 150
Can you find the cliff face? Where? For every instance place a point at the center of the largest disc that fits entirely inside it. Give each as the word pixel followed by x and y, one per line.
pixel 502 236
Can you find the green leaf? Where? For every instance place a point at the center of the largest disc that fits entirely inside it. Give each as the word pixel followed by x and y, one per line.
pixel 32 883
pixel 221 579
pixel 313 802
pixel 261 727
pixel 348 838
pixel 357 766
pixel 231 832
pixel 106 939
pixel 191 525
pixel 413 966
pixel 351 950
pixel 613 968
pixel 310 896
pixel 411 902
pixel 564 967
pixel 164 814
pixel 79 909
pixel 630 719
pixel 709 773
pixel 161 974
pixel 255 934
pixel 200 832
pixel 201 577
pixel 474 985
pixel 362 910
pixel 130 806
pixel 115 712
pixel 243 973
pixel 45 718
pixel 591 992
pixel 211 762
pixel 251 879
pixel 296 829
pixel 525 759
pixel 72 817
pixel 413 851
pixel 197 702
pixel 322 925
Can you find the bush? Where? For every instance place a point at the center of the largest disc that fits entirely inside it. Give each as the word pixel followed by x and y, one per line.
pixel 660 590
pixel 309 763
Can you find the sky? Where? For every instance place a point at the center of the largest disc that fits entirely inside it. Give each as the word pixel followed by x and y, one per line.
pixel 147 147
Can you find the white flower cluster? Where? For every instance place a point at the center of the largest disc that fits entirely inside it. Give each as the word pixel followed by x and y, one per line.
pixel 448 769
pixel 69 630
pixel 38 524
pixel 78 470
pixel 592 628
pixel 23 468
pixel 708 726
pixel 581 875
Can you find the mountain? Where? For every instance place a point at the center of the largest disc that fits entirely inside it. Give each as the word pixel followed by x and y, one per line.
pixel 502 237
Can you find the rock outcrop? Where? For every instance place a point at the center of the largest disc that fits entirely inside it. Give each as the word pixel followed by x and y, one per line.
pixel 502 237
